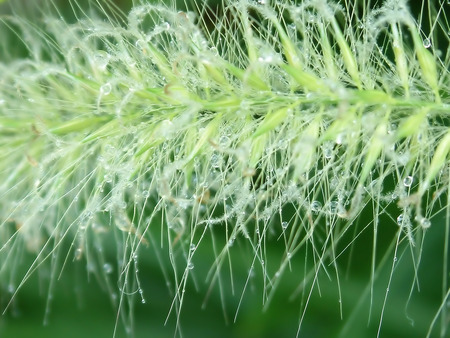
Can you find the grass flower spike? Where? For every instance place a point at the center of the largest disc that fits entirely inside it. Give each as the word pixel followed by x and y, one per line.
pixel 272 134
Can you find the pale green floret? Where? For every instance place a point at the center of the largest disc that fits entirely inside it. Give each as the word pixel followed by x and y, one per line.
pixel 427 63
pixel 439 161
pixel 271 121
pixel 376 145
pixel 76 125
pixel 304 153
pixel 347 54
pixel 328 57
pixel 411 125
pixel 258 147
pixel 400 59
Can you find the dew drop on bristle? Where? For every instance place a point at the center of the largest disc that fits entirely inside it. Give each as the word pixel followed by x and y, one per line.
pixel 224 141
pixel 327 149
pixel 316 206
pixel 78 254
pixel 11 289
pixel 101 59
pixel 423 222
pixel 407 182
pixel 107 268
pixel 333 206
pixel 106 89
pixel 402 220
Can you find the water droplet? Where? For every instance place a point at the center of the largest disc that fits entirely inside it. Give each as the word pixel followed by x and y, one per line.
pixel 192 247
pixel 292 29
pixel 101 59
pixel 427 43
pixel 230 242
pixel 106 89
pixel 11 288
pixel 145 194
pixel 400 220
pixel 216 160
pixel 166 25
pixel 339 138
pixel 190 265
pixel 423 222
pixel 167 128
pixel 224 141
pixel 284 225
pixel 327 149
pixel 140 44
pixel 408 181
pixel 37 183
pixel 214 51
pixel 107 268
pixel 316 206
pixel 78 254
pixel 266 58
pixel 333 206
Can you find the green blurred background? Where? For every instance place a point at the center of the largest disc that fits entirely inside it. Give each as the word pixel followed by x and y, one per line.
pixel 82 308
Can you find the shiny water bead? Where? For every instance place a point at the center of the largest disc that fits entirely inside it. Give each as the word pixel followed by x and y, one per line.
pixel 106 89
pixel 101 59
pixel 316 206
pixel 107 268
pixel 407 182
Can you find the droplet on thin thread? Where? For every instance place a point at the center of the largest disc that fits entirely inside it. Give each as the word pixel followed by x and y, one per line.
pixel 107 268
pixel 106 89
pixel 407 182
pixel 316 206
pixel 101 59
